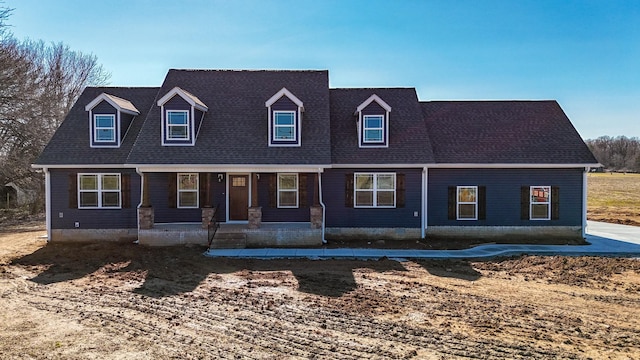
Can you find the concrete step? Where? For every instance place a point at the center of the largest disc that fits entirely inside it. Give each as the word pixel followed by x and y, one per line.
pixel 229 241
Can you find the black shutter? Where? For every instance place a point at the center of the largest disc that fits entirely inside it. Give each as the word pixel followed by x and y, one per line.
pixel 555 203
pixel 126 190
pixel 73 191
pixel 348 190
pixel 172 190
pixel 400 190
pixel 524 203
pixel 302 190
pixel 482 202
pixel 451 208
pixel 273 191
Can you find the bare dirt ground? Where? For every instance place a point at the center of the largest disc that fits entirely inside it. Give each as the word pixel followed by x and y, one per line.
pixel 122 301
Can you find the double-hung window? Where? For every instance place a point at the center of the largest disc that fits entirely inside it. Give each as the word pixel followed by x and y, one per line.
pixel 375 190
pixel 373 128
pixel 188 190
pixel 284 125
pixel 104 128
pixel 177 125
pixel 99 191
pixel 540 202
pixel 287 190
pixel 467 203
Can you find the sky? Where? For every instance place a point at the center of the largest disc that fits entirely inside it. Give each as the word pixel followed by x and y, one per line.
pixel 584 54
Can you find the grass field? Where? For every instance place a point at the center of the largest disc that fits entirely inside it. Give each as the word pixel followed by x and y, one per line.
pixel 614 198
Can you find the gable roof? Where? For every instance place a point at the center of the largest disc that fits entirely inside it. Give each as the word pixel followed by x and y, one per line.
pixel 235 129
pixel 288 94
pixel 187 96
pixel 503 132
pixel 70 143
pixel 122 105
pixel 371 99
pixel 408 139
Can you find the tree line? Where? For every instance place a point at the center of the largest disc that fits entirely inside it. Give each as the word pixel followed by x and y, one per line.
pixel 616 153
pixel 39 82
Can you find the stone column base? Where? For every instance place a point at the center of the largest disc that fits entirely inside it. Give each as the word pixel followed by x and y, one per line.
pixel 255 217
pixel 146 216
pixel 207 213
pixel 316 217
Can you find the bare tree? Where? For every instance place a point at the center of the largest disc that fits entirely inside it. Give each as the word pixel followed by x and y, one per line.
pixel 620 153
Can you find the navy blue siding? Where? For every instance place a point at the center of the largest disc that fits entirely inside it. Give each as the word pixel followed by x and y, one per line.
pixel 337 215
pixel 159 193
pixel 374 109
pixel 91 218
pixel 125 122
pixel 198 120
pixel 274 214
pixel 285 104
pixel 503 194
pixel 104 108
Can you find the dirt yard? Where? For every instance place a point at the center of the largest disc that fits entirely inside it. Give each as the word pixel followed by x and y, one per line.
pixel 122 301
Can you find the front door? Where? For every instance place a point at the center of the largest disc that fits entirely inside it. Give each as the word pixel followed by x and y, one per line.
pixel 238 197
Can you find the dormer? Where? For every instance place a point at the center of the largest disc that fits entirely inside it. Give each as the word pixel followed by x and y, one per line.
pixel 109 120
pixel 373 122
pixel 182 114
pixel 285 119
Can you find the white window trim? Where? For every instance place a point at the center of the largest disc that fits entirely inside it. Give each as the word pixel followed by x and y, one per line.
pixel 531 202
pixel 288 190
pixel 96 128
pixel 99 191
pixel 197 191
pixel 375 190
pixel 169 126
pixel 365 128
pixel 275 126
pixel 458 202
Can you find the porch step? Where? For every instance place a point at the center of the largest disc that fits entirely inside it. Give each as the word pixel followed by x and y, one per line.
pixel 231 240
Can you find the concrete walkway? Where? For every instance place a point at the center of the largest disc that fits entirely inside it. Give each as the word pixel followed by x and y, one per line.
pixel 604 240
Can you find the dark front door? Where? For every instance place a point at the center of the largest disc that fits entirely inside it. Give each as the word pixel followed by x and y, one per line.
pixel 238 197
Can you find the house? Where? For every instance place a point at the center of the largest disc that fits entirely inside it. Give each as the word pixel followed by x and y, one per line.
pixel 281 159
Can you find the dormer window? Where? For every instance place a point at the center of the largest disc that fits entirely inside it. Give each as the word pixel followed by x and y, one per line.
pixel 182 114
pixel 109 119
pixel 373 122
pixel 285 113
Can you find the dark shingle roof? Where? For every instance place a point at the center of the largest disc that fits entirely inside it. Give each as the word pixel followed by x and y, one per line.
pixel 70 143
pixel 408 138
pixel 235 129
pixel 509 132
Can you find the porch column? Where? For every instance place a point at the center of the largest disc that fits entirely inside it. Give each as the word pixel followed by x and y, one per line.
pixel 315 211
pixel 145 211
pixel 207 209
pixel 255 211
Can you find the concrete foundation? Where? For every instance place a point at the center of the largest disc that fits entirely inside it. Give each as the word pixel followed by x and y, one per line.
pixel 93 235
pixel 497 233
pixel 345 234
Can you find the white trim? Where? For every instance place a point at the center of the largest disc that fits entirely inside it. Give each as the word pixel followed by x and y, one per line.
pixel 371 99
pixel 324 208
pixel 113 101
pixel 114 127
pixel 458 202
pixel 99 191
pixel 286 93
pixel 423 201
pixel 584 201
pixel 187 96
pixel 508 166
pixel 242 169
pixel 47 201
pixel 374 190
pixel 197 190
pixel 274 140
pixel 531 203
pixel 278 190
pixel 167 126
pixel 381 128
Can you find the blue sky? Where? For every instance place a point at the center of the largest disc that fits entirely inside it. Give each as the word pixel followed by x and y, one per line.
pixel 585 54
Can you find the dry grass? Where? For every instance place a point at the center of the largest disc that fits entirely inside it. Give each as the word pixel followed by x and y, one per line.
pixel 614 198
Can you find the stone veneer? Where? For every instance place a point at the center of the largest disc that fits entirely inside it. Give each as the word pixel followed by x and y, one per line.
pixel 316 217
pixel 255 217
pixel 146 216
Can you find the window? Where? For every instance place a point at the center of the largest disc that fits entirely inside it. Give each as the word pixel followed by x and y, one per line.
pixel 284 126
pixel 373 129
pixel 467 203
pixel 104 128
pixel 375 190
pixel 177 125
pixel 287 190
pixel 99 191
pixel 188 190
pixel 540 202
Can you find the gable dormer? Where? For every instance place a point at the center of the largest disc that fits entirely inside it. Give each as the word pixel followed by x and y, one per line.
pixel 285 119
pixel 181 117
pixel 109 120
pixel 373 122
